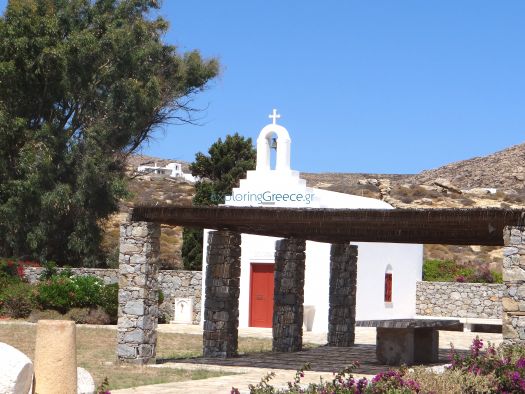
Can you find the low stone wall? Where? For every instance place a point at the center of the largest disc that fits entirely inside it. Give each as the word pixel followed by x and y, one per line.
pixel 477 300
pixel 32 274
pixel 172 283
pixel 180 284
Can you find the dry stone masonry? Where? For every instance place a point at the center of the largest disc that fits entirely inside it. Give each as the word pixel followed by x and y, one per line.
pixel 172 283
pixel 453 299
pixel 288 295
pixel 343 277
pixel 514 277
pixel 138 292
pixel 108 276
pixel 180 284
pixel 221 306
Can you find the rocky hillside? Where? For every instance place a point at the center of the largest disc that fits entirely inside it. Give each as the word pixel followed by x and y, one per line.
pixel 503 170
pixel 496 180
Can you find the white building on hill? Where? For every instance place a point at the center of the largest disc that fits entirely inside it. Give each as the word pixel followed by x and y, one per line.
pixel 386 273
pixel 173 170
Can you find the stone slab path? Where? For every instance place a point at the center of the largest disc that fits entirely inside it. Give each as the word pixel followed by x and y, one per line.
pixel 324 360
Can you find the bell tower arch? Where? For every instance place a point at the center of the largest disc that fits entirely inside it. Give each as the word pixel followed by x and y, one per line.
pixel 282 162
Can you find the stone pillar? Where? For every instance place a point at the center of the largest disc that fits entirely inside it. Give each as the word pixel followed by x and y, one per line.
pixel 288 295
pixel 221 306
pixel 138 292
pixel 343 277
pixel 513 300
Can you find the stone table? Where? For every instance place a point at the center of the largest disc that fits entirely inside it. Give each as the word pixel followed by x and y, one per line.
pixel 409 341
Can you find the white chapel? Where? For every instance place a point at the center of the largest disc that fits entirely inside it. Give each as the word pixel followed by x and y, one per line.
pixel 386 273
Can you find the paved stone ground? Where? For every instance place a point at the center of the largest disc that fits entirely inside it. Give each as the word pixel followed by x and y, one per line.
pixel 324 360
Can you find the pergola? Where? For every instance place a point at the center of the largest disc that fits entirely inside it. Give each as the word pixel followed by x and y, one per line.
pixel 139 246
pixel 427 226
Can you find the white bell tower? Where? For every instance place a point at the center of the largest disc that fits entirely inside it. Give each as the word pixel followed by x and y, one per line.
pixel 264 141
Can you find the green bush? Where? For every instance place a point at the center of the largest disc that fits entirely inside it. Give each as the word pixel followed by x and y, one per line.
pixel 109 300
pixel 445 271
pixel 498 276
pixel 50 270
pixel 87 291
pixel 56 293
pixel 16 299
pixel 62 293
pixel 449 271
pixel 8 269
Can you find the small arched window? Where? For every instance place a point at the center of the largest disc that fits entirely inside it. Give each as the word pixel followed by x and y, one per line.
pixel 388 284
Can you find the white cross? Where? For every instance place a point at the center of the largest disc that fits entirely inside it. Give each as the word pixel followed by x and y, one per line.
pixel 274 116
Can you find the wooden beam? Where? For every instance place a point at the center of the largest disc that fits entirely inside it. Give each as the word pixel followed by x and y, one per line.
pixel 422 226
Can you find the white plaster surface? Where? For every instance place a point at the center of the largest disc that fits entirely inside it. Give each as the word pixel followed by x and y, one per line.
pixel 283 187
pixel 183 311
pixel 16 371
pixel 85 382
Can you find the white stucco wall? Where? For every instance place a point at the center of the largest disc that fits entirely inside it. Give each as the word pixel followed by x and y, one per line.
pixel 373 259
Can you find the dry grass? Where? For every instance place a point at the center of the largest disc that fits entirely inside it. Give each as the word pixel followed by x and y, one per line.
pixel 478 256
pixel 452 382
pixel 96 352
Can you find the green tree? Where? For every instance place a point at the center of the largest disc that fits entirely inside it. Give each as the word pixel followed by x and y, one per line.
pixel 219 172
pixel 83 84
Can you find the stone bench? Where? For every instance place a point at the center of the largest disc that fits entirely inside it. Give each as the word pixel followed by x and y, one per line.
pixel 472 324
pixel 409 341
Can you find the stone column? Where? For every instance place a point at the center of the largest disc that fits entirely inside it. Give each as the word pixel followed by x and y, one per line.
pixel 343 277
pixel 288 295
pixel 138 292
pixel 221 306
pixel 513 300
pixel 55 357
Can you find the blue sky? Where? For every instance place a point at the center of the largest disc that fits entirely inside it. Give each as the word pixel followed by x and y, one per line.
pixel 362 86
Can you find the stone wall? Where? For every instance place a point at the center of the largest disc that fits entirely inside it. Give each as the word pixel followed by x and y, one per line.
pixel 108 276
pixel 172 283
pixel 477 300
pixel 180 284
pixel 514 277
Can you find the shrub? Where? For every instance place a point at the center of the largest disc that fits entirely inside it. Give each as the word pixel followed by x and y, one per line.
pixel 62 293
pixel 109 301
pixel 87 291
pixel 489 371
pixel 445 271
pixel 449 271
pixel 16 299
pixel 451 381
pixel 50 270
pixel 507 365
pixel 486 276
pixel 56 293
pixel 11 269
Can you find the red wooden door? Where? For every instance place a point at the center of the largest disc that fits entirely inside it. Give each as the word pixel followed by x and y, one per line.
pixel 261 295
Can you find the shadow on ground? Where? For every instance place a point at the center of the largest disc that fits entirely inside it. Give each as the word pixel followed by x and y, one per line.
pixel 321 359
